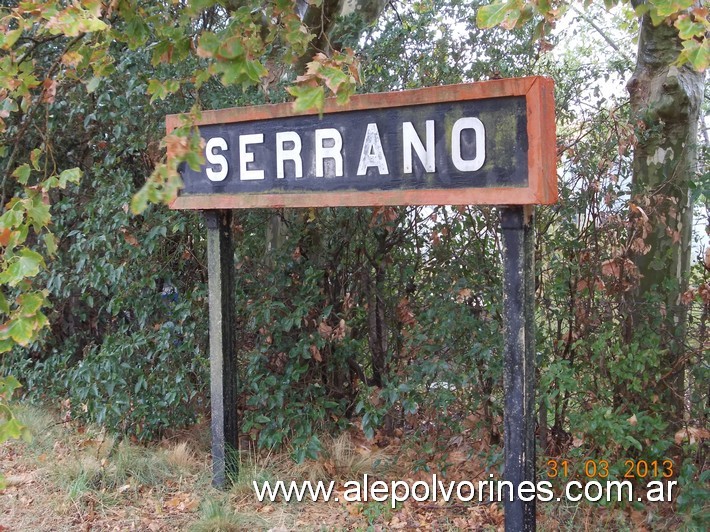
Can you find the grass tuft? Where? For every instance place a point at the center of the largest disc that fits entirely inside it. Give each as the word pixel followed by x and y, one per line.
pixel 341 459
pixel 217 517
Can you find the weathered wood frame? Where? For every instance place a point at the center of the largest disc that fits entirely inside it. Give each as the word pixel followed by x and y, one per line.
pixel 542 159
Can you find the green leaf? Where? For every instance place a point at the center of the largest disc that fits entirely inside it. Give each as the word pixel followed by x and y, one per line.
pixel 666 8
pixel 231 48
pixel 10 38
pixel 208 45
pixel 494 14
pixel 34 158
pixel 21 331
pixel 22 173
pixel 10 429
pixel 8 385
pixel 307 98
pixel 22 266
pixel 698 54
pixel 92 84
pixel 162 89
pixel 6 345
pixel 51 242
pixel 38 213
pixel 687 28
pixel 255 70
pixel 4 305
pixel 30 303
pixel 633 441
pixel 139 202
pixel 71 175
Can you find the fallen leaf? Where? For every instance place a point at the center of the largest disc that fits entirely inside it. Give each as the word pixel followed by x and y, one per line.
pixel 692 435
pixel 315 353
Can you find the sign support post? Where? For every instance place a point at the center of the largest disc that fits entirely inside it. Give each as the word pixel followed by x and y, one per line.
pixel 223 360
pixel 519 362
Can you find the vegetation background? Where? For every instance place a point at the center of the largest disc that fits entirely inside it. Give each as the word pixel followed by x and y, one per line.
pixel 384 319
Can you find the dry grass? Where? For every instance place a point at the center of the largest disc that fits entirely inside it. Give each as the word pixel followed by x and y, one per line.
pixel 341 459
pixel 78 478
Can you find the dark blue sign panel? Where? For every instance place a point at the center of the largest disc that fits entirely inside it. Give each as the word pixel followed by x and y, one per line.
pixel 391 150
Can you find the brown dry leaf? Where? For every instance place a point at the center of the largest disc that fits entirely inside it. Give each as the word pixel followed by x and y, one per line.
pixel 704 291
pixel 692 435
pixel 72 59
pixel 131 240
pixel 687 297
pixel 632 420
pixel 577 440
pixel 49 91
pixel 463 295
pixel 638 210
pixel 330 468
pixel 354 509
pixel 182 502
pixel 5 235
pixel 176 146
pixel 396 523
pixel 325 330
pixel 315 353
pixel 404 313
pixel 339 331
pixel 347 302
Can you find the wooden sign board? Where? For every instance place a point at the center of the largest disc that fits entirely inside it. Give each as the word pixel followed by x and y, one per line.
pixel 491 142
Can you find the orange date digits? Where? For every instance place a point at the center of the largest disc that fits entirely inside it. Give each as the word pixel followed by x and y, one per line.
pixel 643 469
pixel 555 468
pixel 596 468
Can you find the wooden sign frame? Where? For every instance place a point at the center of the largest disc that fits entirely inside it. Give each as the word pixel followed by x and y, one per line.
pixel 541 150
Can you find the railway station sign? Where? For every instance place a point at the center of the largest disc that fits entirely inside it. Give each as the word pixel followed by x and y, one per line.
pixel 490 142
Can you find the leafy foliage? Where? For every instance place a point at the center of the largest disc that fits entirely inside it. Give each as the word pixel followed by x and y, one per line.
pixel 690 20
pixel 388 318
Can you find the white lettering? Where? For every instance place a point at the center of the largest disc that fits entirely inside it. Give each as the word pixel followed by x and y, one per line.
pixel 329 152
pixel 425 495
pixel 655 491
pixel 568 490
pixel 469 488
pixel 246 157
pixel 352 493
pixel 468 165
pixel 379 491
pixel 395 496
pixel 372 153
pixel 291 154
pixel 526 491
pixel 216 159
pixel 412 140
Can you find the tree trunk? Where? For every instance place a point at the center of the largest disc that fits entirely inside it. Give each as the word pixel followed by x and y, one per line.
pixel 665 102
